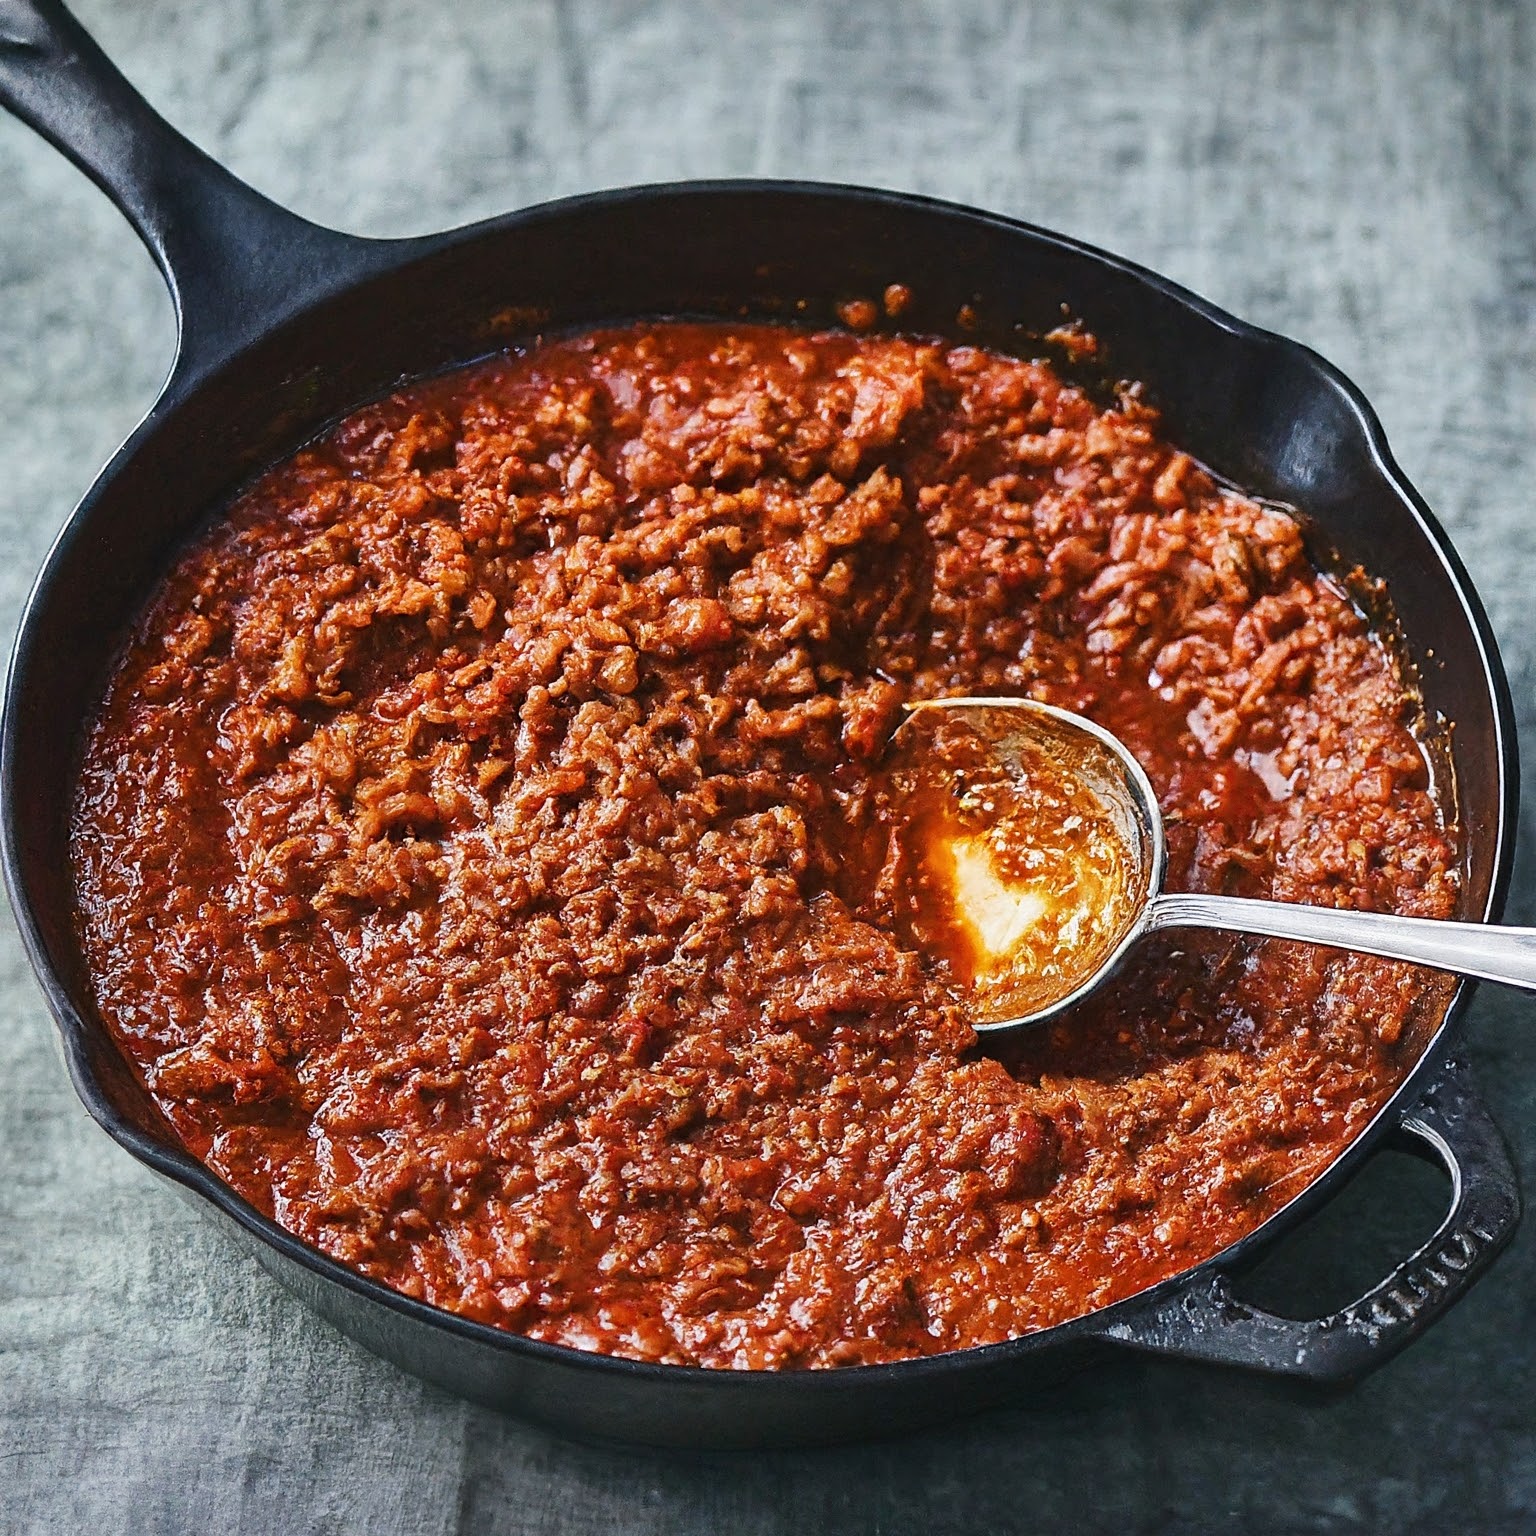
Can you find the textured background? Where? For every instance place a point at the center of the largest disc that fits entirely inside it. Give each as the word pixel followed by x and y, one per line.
pixel 1360 176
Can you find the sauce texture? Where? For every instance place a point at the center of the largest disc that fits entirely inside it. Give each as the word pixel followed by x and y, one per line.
pixel 484 857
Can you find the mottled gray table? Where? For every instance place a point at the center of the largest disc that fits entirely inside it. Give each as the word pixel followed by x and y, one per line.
pixel 1359 175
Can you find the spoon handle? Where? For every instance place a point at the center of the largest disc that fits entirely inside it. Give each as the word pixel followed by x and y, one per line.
pixel 1493 953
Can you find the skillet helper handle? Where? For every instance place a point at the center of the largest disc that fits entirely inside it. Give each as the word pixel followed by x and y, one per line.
pixel 1206 1321
pixel 232 258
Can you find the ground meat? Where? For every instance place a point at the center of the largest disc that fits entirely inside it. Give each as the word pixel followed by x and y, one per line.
pixel 478 850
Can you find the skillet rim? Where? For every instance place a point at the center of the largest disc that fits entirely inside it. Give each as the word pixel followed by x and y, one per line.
pixel 375 258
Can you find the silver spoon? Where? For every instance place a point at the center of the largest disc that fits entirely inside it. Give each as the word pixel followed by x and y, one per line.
pixel 1009 730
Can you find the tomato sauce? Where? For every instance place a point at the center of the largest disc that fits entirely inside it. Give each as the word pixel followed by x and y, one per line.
pixel 484 855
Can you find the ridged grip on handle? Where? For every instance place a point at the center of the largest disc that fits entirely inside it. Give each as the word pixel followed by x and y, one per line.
pixel 234 260
pixel 1485 950
pixel 1205 1319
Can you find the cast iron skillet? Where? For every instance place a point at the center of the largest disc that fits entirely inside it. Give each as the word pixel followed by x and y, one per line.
pixel 284 326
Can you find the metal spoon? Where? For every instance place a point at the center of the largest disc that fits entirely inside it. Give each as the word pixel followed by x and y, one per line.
pixel 1006 726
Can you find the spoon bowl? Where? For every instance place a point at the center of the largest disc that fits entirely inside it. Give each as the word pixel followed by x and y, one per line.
pixel 1008 743
pixel 1027 742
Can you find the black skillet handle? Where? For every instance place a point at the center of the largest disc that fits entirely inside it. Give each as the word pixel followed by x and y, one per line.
pixel 1205 1320
pixel 235 262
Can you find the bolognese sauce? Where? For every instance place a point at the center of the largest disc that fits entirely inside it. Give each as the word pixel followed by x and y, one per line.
pixel 485 852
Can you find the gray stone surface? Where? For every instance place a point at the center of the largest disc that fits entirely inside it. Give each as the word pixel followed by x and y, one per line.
pixel 1361 176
